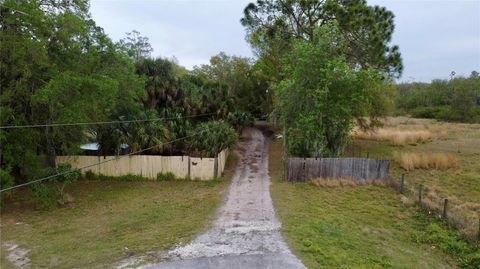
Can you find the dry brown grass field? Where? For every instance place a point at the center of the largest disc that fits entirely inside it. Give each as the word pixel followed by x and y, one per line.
pixel 444 157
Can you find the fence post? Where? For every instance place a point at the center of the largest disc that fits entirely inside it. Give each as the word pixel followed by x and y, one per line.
pixel 478 239
pixel 368 154
pixel 445 208
pixel 402 184
pixel 420 191
pixel 284 154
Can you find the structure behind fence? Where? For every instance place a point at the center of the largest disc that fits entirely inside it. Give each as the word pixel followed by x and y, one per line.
pixel 149 165
pixel 303 169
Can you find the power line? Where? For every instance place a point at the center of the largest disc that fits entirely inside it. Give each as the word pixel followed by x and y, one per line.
pixel 97 122
pixel 91 165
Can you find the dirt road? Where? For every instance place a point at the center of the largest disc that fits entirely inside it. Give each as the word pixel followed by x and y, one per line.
pixel 245 233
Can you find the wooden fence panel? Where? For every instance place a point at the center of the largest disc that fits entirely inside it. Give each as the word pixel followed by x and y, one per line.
pixel 303 169
pixel 149 165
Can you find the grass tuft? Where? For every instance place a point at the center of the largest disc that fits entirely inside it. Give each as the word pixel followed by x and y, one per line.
pixel 426 160
pixel 396 136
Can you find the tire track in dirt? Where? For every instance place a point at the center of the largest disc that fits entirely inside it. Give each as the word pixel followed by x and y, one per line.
pixel 246 233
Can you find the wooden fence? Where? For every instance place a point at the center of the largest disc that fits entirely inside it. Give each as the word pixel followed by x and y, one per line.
pixel 303 169
pixel 149 165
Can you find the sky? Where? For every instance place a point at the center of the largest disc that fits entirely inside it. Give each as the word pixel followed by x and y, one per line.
pixel 435 37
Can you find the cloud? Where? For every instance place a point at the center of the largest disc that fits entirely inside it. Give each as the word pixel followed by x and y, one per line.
pixel 192 31
pixel 435 37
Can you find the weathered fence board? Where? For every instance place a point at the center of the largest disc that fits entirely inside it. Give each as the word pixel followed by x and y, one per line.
pixel 149 165
pixel 303 169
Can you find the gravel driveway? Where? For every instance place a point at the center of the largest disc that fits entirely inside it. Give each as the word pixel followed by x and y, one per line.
pixel 246 232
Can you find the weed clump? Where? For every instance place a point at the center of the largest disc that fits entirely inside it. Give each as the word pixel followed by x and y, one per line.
pixel 165 176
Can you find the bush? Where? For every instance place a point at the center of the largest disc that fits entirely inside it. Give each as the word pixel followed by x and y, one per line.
pixel 89 175
pixel 425 112
pixel 240 120
pixel 45 196
pixel 209 138
pixel 6 180
pixel 69 175
pixel 165 176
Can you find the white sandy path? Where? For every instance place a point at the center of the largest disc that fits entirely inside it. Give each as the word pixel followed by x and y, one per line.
pixel 246 232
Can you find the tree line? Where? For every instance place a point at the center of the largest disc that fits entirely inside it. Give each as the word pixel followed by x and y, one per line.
pixel 456 99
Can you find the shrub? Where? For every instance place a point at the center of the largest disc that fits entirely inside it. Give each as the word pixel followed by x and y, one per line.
pixel 45 196
pixel 128 177
pixel 165 176
pixel 69 175
pixel 89 175
pixel 240 120
pixel 425 112
pixel 209 138
pixel 6 180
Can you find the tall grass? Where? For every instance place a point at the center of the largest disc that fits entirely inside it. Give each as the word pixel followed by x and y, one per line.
pixel 344 182
pixel 426 160
pixel 401 136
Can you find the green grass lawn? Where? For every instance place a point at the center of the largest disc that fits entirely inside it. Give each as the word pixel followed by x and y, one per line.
pixel 351 227
pixel 112 220
pixel 460 185
pixel 463 140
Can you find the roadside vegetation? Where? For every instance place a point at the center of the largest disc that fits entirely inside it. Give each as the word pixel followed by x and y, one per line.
pixel 448 166
pixel 59 67
pixel 111 220
pixel 347 225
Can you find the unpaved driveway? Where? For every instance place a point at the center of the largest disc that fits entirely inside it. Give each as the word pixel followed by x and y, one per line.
pixel 246 231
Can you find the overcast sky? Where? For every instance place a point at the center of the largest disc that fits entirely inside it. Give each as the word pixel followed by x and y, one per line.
pixel 435 37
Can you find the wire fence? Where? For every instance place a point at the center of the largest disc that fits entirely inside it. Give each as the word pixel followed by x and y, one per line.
pixel 465 217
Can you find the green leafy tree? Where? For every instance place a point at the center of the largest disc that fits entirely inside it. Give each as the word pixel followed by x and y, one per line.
pixel 136 45
pixel 244 84
pixel 457 99
pixel 322 96
pixel 273 25
pixel 57 66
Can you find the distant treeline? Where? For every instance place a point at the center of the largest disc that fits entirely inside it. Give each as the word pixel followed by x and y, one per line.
pixel 457 99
